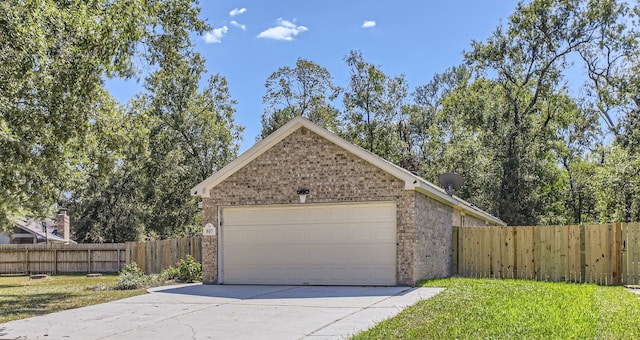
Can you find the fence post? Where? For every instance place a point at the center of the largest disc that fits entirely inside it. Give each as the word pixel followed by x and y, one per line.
pixel 618 253
pixel 55 262
pixel 514 234
pixel 583 254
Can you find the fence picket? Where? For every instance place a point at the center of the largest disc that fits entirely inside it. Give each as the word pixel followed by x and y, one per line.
pixel 631 254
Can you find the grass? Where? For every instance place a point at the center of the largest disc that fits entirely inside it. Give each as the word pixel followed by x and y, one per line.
pixel 511 309
pixel 21 297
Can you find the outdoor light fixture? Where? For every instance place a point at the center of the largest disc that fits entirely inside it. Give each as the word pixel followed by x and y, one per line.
pixel 303 194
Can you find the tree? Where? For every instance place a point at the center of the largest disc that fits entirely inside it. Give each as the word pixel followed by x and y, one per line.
pixel 170 138
pixel 305 90
pixel 616 184
pixel 431 127
pixel 630 135
pixel 54 55
pixel 612 61
pixel 526 63
pixel 192 134
pixel 139 167
pixel 374 108
pixel 576 136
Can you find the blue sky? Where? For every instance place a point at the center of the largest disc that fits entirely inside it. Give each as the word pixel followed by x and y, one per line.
pixel 252 39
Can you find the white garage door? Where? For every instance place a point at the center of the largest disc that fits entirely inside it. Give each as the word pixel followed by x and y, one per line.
pixel 321 244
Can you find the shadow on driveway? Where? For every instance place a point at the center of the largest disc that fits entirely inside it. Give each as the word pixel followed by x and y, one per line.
pixel 243 292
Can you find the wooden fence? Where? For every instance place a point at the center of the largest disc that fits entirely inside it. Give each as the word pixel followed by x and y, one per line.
pixel 154 256
pixel 151 257
pixel 61 258
pixel 606 254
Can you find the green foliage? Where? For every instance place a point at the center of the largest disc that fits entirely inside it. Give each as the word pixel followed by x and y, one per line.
pixel 304 90
pixel 510 309
pixel 189 270
pixel 54 56
pixel 515 109
pixel 186 270
pixel 132 277
pixel 191 134
pixel 63 140
pixel 373 105
pixel 531 151
pixel 170 273
pixel 616 184
pixel 143 158
pixel 630 137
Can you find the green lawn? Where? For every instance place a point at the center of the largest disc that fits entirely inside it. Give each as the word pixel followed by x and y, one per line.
pixel 512 309
pixel 21 297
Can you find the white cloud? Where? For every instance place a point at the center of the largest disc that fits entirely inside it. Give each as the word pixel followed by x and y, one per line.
pixel 368 24
pixel 237 11
pixel 236 24
pixel 285 30
pixel 215 35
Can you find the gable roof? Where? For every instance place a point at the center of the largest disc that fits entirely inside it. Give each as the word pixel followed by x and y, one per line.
pixel 412 181
pixel 34 227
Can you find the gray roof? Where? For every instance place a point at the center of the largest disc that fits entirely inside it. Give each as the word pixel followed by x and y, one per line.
pixel 34 226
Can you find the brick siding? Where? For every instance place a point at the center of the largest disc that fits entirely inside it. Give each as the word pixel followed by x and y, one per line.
pixel 433 251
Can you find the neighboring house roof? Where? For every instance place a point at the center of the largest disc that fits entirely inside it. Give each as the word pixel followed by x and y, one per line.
pixel 34 226
pixel 412 181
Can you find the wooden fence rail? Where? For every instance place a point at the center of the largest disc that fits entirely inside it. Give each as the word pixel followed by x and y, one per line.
pixel 151 257
pixel 606 254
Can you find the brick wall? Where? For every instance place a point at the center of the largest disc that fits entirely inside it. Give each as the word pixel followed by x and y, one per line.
pixel 306 160
pixel 474 221
pixel 434 222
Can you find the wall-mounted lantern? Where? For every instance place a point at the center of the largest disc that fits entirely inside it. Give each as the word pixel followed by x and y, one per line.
pixel 303 192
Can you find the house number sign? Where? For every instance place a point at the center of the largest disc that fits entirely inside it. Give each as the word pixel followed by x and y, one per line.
pixel 209 230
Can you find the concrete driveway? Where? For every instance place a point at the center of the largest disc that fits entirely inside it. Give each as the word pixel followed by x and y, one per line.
pixel 226 312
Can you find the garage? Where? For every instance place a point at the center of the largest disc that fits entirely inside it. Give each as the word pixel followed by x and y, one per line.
pixel 305 207
pixel 311 244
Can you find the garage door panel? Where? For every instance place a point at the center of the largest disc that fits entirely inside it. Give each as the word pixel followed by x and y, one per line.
pixel 311 254
pixel 314 234
pixel 347 244
pixel 296 215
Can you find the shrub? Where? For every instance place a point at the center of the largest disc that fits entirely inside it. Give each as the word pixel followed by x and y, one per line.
pixel 132 277
pixel 189 270
pixel 170 273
